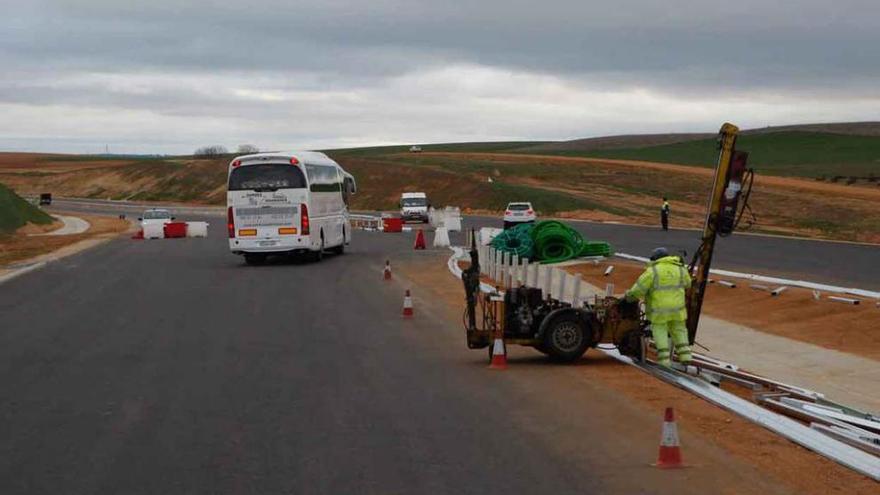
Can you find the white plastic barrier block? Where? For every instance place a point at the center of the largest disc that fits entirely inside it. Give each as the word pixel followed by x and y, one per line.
pixel 197 229
pixel 487 234
pixel 441 237
pixel 452 218
pixel 154 231
pixel 435 217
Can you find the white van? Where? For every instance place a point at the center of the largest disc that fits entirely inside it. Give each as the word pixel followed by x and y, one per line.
pixel 414 206
pixel 287 203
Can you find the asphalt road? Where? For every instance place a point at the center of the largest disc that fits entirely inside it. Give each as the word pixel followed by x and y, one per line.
pixel 834 263
pixel 169 367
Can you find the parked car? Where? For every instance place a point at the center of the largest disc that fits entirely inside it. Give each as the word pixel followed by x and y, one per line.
pixel 156 216
pixel 46 198
pixel 517 213
pixel 415 149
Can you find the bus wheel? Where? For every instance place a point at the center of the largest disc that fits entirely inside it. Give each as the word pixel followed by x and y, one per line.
pixel 254 259
pixel 318 255
pixel 340 249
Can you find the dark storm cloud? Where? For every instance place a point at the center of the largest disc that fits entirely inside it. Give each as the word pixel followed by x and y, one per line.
pixel 235 56
pixel 787 43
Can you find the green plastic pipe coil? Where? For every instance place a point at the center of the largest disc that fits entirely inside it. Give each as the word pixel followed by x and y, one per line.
pixel 548 241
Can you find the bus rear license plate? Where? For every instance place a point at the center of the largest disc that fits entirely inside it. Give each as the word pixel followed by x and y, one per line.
pixel 267 243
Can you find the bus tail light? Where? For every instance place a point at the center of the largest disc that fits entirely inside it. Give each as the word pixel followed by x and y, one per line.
pixel 286 230
pixel 236 163
pixel 230 223
pixel 304 219
pixel 247 232
pixel 294 161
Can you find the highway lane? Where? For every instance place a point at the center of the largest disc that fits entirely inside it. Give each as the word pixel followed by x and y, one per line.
pixel 169 366
pixel 835 263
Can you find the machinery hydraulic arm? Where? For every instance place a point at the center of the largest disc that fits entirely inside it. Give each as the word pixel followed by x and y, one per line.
pixel 722 216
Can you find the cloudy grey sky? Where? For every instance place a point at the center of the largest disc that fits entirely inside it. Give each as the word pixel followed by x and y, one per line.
pixel 165 76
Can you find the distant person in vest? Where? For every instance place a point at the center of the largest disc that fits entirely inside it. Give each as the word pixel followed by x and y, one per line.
pixel 664 214
pixel 663 286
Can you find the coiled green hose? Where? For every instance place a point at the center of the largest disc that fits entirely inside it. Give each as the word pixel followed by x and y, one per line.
pixel 549 241
pixel 517 240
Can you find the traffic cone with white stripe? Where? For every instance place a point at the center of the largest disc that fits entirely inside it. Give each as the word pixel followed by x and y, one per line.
pixel 499 355
pixel 407 305
pixel 387 271
pixel 670 449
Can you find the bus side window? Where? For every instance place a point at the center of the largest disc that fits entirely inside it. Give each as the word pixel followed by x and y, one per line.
pixel 323 178
pixel 347 186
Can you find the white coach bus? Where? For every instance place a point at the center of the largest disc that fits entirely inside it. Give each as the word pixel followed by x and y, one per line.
pixel 287 203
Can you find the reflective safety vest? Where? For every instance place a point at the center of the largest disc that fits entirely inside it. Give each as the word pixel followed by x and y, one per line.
pixel 662 286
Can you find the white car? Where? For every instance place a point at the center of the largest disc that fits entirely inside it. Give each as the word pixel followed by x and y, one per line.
pixel 517 213
pixel 156 216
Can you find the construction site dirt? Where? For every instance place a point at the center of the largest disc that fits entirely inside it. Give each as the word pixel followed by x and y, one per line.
pixel 22 246
pixel 794 314
pixel 773 456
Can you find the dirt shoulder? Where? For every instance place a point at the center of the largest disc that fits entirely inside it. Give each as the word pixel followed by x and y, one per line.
pixel 794 314
pixel 21 246
pixel 798 468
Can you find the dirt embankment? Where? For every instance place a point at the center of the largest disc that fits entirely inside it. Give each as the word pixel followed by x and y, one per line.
pixel 802 470
pixel 181 180
pixel 632 190
pixel 567 187
pixel 22 246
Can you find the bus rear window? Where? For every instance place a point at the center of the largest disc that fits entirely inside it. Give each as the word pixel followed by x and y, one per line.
pixel 266 176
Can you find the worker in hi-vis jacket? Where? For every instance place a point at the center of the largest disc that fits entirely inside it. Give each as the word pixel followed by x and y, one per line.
pixel 664 214
pixel 663 286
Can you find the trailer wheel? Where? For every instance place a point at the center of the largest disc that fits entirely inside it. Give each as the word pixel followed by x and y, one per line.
pixel 566 338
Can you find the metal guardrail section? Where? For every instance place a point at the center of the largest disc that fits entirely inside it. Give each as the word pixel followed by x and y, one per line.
pixel 367 222
pixel 775 280
pixel 811 438
pixel 122 205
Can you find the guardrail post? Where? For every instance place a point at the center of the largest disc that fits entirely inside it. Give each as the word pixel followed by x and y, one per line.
pixel 514 271
pixel 576 290
pixel 561 275
pixel 490 261
pixel 499 268
pixel 548 281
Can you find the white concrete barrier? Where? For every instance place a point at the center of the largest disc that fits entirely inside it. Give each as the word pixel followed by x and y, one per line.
pixel 197 229
pixel 154 231
pixel 441 237
pixel 452 218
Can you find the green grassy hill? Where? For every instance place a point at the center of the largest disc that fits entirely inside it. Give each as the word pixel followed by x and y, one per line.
pixel 486 147
pixel 15 212
pixel 788 153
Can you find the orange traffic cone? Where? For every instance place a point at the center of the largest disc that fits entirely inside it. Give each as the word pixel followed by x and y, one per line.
pixel 499 356
pixel 670 450
pixel 420 240
pixel 387 270
pixel 139 235
pixel 407 305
